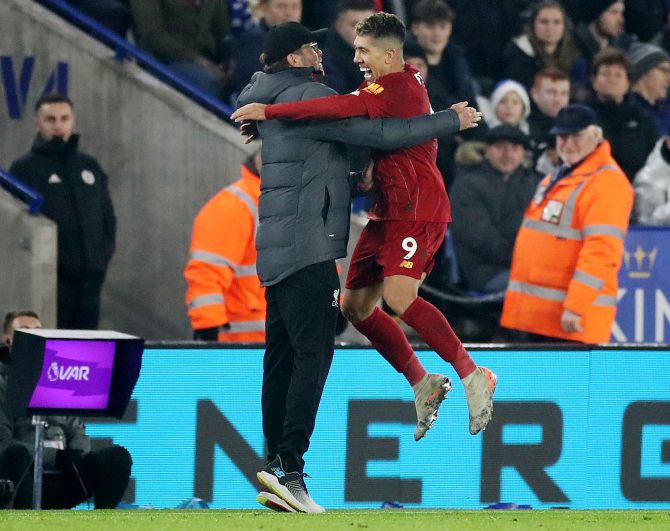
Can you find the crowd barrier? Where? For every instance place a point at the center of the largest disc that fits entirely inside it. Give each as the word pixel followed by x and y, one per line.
pixel 573 427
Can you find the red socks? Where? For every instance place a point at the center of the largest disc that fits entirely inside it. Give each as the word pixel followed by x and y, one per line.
pixel 434 329
pixel 389 339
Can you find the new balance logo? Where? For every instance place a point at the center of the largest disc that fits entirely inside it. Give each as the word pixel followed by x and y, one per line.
pixel 374 88
pixel 277 471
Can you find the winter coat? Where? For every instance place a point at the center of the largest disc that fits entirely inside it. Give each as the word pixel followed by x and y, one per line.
pixel 630 130
pixel 488 208
pixel 76 198
pixel 652 188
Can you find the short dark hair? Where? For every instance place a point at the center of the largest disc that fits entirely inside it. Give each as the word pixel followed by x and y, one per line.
pixel 53 97
pixel 355 5
pixel 277 66
pixel 431 11
pixel 382 25
pixel 610 56
pixel 9 318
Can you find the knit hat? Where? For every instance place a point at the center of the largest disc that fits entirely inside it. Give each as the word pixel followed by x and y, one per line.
pixel 502 89
pixel 643 57
pixel 592 9
pixel 507 133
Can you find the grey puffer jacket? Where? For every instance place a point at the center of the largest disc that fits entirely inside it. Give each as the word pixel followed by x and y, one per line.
pixel 305 182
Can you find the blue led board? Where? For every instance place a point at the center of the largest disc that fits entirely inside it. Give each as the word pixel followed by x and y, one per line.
pixel 575 428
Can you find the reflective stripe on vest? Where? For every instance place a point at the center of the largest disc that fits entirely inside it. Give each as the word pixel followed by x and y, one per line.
pixel 590 280
pixel 206 300
pixel 564 228
pixel 247 200
pixel 605 230
pixel 552 294
pixel 218 260
pixel 212 258
pixel 244 326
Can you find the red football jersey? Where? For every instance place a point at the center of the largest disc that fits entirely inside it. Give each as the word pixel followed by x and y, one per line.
pixel 409 185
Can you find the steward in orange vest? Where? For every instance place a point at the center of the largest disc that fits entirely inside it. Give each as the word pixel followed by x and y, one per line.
pixel 563 280
pixel 224 297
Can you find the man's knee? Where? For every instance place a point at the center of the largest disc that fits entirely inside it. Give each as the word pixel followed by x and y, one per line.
pixel 354 311
pixel 113 458
pixel 15 456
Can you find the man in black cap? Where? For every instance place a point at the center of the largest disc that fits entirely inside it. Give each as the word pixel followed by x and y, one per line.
pixel 563 280
pixel 601 26
pixel 303 227
pixel 488 199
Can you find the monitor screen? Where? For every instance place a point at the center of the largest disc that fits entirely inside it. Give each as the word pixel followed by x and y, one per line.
pixel 76 374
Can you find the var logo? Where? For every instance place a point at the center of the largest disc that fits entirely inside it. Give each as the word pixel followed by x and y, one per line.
pixel 64 373
pixel 17 77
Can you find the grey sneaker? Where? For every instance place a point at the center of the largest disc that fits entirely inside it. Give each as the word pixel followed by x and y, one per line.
pixel 289 486
pixel 479 393
pixel 428 395
pixel 274 502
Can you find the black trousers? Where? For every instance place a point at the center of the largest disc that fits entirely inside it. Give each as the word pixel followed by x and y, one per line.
pixel 102 475
pixel 302 312
pixel 78 303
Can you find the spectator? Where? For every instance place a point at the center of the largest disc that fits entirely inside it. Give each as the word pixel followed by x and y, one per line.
pixel 76 198
pixel 510 104
pixel 485 40
pixel 249 45
pixel 630 131
pixel 188 36
pixel 549 94
pixel 342 74
pixel 547 42
pixel 563 280
pixel 225 299
pixel 113 14
pixel 601 26
pixel 76 473
pixel 488 201
pixel 650 78
pixel 652 187
pixel 432 23
pixel 645 18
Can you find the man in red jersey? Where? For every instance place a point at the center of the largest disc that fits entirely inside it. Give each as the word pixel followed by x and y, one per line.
pixel 407 225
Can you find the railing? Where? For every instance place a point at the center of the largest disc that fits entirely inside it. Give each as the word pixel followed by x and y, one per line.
pixel 123 50
pixel 22 190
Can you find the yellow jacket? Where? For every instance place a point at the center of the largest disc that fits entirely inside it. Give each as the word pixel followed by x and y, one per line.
pixel 223 287
pixel 568 252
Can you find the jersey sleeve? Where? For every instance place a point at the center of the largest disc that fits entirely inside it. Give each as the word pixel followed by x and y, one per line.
pixel 331 107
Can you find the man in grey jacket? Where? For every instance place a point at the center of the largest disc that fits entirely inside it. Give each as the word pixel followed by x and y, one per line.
pixel 303 227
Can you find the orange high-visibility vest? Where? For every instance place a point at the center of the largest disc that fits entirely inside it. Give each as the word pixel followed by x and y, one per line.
pixel 568 252
pixel 223 286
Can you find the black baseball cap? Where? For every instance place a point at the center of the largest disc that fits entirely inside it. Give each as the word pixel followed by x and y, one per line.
pixel 507 133
pixel 285 38
pixel 573 119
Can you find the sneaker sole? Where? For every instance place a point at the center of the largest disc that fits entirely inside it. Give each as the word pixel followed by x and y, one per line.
pixel 482 420
pixel 271 482
pixel 274 502
pixel 436 399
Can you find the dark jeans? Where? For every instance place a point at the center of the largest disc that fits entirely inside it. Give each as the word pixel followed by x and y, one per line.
pixel 102 475
pixel 300 335
pixel 78 303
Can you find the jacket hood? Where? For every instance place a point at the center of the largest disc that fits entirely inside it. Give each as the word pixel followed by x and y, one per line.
pixel 265 88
